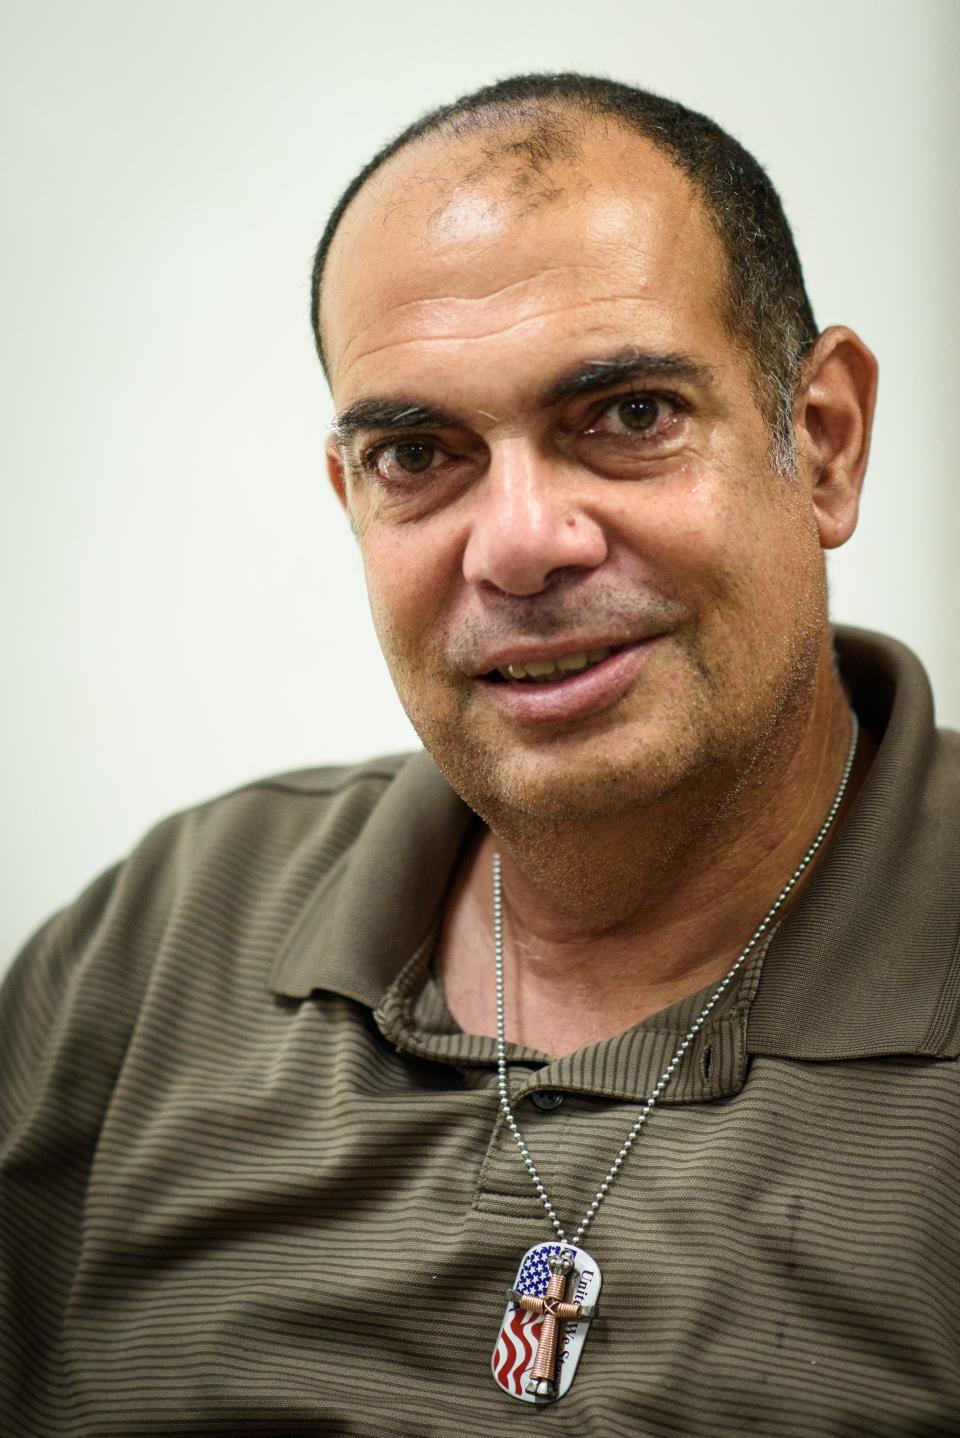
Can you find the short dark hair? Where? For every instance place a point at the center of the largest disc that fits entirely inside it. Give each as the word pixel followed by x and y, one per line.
pixel 765 303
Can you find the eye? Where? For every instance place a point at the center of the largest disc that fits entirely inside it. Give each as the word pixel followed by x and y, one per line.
pixel 639 411
pixel 393 463
pixel 633 435
pixel 632 414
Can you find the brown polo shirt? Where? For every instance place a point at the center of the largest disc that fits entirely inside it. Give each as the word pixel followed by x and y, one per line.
pixel 253 1179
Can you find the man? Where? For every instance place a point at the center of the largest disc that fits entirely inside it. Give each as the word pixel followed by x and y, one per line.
pixel 602 1064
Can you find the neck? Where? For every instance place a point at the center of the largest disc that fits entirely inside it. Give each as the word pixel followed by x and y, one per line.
pixel 608 922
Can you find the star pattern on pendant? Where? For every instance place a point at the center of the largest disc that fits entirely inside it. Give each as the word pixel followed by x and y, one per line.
pixel 534 1272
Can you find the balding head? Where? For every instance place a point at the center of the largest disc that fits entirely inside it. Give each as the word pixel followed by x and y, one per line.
pixel 465 241
pixel 530 131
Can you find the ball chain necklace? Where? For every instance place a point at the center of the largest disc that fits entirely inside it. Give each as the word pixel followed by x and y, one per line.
pixel 554 1296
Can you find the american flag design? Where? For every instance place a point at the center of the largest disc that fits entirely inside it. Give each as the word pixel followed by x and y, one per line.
pixel 515 1350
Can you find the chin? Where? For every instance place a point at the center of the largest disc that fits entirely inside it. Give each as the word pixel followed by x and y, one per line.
pixel 561 783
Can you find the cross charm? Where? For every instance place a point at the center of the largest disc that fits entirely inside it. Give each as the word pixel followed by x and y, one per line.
pixel 542 1381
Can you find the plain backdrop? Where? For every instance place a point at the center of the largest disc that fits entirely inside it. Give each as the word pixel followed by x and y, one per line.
pixel 182 604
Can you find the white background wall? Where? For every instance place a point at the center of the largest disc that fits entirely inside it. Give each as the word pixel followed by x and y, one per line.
pixel 182 605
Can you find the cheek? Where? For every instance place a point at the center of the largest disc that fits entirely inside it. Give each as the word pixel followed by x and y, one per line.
pixel 690 536
pixel 403 586
pixel 390 593
pixel 737 548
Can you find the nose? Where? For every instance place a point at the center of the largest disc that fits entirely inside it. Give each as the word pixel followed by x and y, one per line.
pixel 528 524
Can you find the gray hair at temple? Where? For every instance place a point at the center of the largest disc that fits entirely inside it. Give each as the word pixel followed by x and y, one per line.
pixel 765 307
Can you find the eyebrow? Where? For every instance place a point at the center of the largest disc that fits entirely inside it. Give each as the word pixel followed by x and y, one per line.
pixel 629 364
pixel 391 414
pixel 585 378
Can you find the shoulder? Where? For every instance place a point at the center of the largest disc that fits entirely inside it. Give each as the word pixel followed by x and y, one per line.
pixel 947 755
pixel 325 804
pixel 262 822
pixel 310 815
pixel 320 787
pixel 207 895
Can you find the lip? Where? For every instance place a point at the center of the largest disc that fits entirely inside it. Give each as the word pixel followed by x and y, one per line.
pixel 523 651
pixel 577 695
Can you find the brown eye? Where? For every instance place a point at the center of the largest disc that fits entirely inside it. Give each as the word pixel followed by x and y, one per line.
pixel 639 412
pixel 395 463
pixel 634 435
pixel 414 456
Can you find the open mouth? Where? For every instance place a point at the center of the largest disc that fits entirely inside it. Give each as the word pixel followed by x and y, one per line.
pixel 566 688
pixel 550 671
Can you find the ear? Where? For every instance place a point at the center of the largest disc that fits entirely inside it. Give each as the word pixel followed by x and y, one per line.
pixel 833 417
pixel 338 478
pixel 336 472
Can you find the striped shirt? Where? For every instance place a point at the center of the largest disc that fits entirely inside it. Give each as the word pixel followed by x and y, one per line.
pixel 253 1178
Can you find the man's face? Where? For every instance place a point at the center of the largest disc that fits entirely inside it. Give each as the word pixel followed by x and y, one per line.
pixel 589 584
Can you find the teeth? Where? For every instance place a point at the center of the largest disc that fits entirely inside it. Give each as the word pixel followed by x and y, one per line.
pixel 543 670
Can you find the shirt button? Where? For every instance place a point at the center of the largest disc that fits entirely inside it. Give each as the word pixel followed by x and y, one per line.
pixel 547 1099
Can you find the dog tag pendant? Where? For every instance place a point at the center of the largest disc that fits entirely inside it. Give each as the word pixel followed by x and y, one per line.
pixel 549 1310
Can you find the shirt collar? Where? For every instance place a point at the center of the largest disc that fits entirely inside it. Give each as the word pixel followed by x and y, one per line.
pixel 375 907
pixel 867 962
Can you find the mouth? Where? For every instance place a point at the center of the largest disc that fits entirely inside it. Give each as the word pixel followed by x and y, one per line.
pixel 552 671
pixel 566 687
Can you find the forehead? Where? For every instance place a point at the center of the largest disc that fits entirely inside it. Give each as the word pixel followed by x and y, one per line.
pixel 466 259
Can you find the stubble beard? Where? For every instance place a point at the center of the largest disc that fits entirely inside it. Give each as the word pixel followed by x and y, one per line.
pixel 679 762
pixel 677 751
